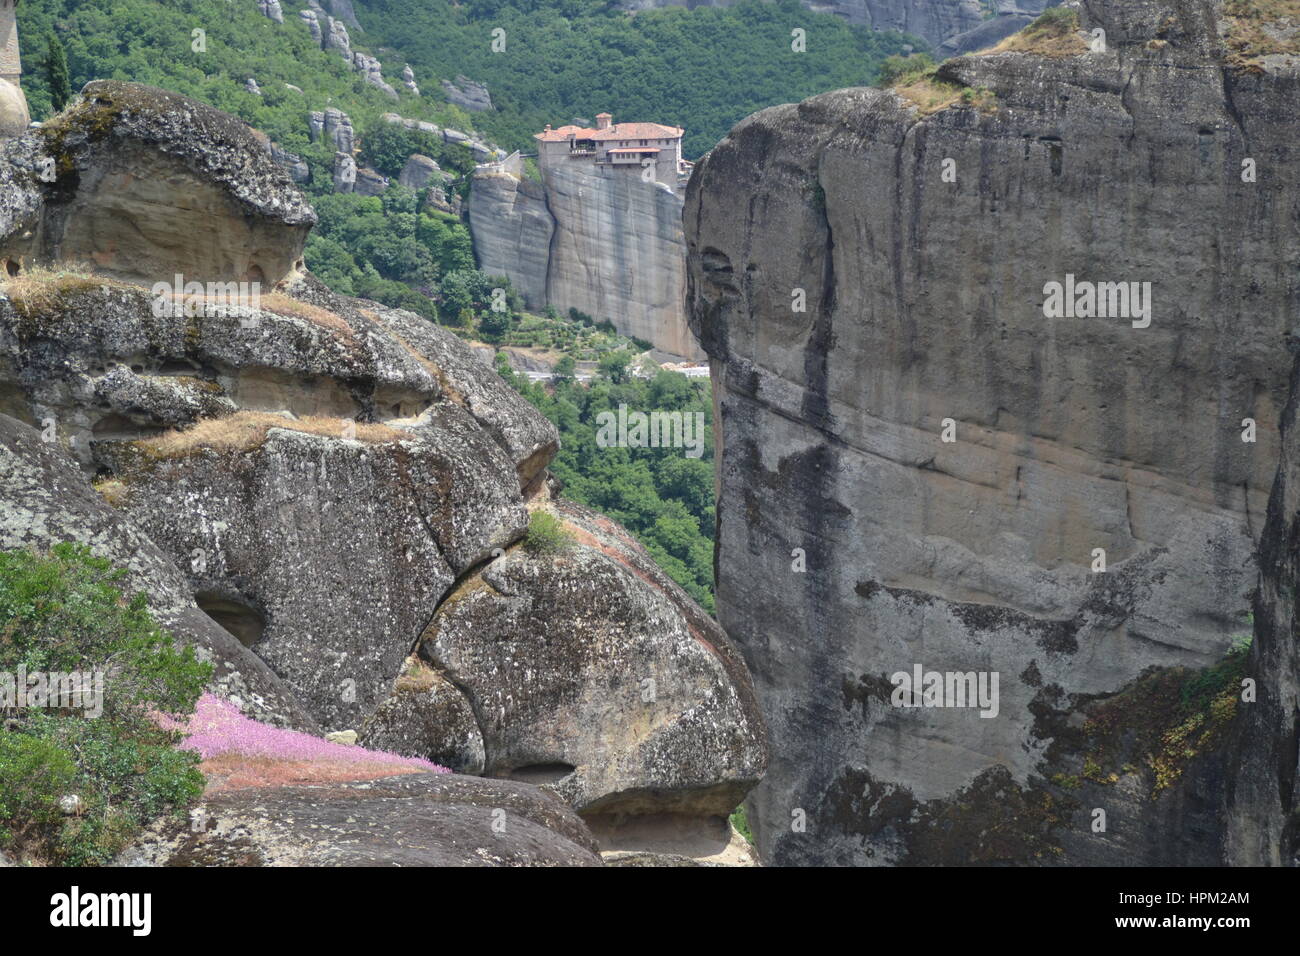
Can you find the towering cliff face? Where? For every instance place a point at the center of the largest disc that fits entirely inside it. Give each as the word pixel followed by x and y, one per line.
pixel 588 237
pixel 854 542
pixel 933 20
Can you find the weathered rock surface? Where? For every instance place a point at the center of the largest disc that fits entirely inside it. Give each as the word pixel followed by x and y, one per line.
pixel 369 182
pixel 512 230
pixel 411 820
pixel 345 173
pixel 271 10
pixel 427 716
pixel 44 499
pixel 925 303
pixel 593 238
pixel 372 72
pixel 385 523
pixel 468 94
pixel 312 21
pixel 336 127
pixel 117 179
pixel 408 80
pixel 385 528
pixel 292 163
pixel 418 172
pixel 592 671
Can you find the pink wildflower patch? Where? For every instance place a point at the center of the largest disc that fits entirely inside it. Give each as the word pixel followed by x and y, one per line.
pixel 240 752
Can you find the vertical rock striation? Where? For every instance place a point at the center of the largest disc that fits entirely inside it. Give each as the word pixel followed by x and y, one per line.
pixel 589 237
pixel 925 303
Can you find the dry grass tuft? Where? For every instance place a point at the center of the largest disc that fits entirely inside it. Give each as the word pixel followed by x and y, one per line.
pixel 1054 34
pixel 40 289
pixel 928 94
pixel 281 304
pixel 111 490
pixel 1258 28
pixel 245 431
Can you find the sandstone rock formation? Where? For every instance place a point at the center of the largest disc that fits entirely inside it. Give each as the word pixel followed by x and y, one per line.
pixel 312 22
pixel 292 163
pixel 427 716
pixel 336 127
pixel 372 72
pixel 854 542
pixel 328 495
pixel 408 80
pixel 589 237
pixel 344 10
pixel 271 10
pixel 345 173
pixel 670 730
pixel 1263 814
pixel 418 172
pixel 117 179
pixel 512 229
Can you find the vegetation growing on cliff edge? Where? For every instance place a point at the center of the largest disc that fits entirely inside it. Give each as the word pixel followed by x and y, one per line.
pixel 915 79
pixel 1163 721
pixel 662 497
pixel 76 788
pixel 1054 34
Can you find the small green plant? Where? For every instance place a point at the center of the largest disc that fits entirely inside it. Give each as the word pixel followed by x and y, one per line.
pixel 1056 20
pixel 897 70
pixel 64 612
pixel 546 534
pixel 741 822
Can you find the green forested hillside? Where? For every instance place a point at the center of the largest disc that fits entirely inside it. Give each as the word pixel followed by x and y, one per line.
pixel 704 69
pixel 662 495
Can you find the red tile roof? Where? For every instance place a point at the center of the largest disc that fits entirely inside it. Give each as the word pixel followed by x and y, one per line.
pixel 618 131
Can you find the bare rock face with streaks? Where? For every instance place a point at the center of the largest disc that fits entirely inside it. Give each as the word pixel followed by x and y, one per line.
pixel 855 543
pixel 593 238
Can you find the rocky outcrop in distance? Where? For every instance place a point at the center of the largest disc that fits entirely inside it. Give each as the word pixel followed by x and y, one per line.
pixel 924 469
pixel 331 498
pixel 467 94
pixel 589 237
